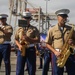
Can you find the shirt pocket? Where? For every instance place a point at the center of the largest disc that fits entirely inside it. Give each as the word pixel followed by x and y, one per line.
pixel 57 36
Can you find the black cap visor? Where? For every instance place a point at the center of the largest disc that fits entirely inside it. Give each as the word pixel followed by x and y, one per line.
pixel 2 18
pixel 63 15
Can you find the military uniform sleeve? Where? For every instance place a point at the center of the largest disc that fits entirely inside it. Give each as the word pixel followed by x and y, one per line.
pixel 18 33
pixel 49 36
pixel 9 30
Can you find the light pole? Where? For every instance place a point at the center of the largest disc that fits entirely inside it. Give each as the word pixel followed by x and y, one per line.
pixel 46 11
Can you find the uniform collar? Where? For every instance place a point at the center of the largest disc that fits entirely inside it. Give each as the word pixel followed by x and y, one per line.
pixel 57 27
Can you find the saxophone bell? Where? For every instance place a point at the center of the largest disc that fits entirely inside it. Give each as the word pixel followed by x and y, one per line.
pixel 72 50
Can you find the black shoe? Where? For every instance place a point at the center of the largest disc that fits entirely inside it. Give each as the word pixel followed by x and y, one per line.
pixel 40 68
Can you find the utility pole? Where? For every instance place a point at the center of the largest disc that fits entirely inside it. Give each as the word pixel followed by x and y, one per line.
pixel 46 14
pixel 25 4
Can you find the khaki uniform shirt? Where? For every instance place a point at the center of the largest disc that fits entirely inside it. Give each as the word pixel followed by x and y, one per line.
pixel 5 36
pixel 56 38
pixel 31 32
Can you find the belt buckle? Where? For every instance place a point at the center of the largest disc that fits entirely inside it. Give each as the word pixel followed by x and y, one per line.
pixel 57 49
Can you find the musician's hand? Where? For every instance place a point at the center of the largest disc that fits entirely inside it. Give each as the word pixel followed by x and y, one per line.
pixel 70 41
pixel 20 47
pixel 23 37
pixel 57 53
pixel 28 39
pixel 5 31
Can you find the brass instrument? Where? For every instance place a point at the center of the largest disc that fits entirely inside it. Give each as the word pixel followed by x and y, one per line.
pixel 41 50
pixel 65 51
pixel 24 43
pixel 37 51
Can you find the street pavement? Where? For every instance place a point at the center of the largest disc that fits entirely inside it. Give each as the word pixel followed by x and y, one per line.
pixel 13 66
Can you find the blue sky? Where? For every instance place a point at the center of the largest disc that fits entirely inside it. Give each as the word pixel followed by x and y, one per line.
pixel 52 5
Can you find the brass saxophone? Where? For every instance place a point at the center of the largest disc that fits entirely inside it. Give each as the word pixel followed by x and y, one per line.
pixel 65 51
pixel 24 43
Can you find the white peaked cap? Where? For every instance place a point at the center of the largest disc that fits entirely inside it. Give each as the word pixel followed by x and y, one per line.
pixel 3 15
pixel 62 11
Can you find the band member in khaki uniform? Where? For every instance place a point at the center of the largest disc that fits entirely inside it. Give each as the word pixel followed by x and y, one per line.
pixel 30 38
pixel 5 38
pixel 56 39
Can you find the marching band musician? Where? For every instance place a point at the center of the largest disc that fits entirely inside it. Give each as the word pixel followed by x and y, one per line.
pixel 31 36
pixel 55 40
pixel 46 56
pixel 5 38
pixel 47 59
